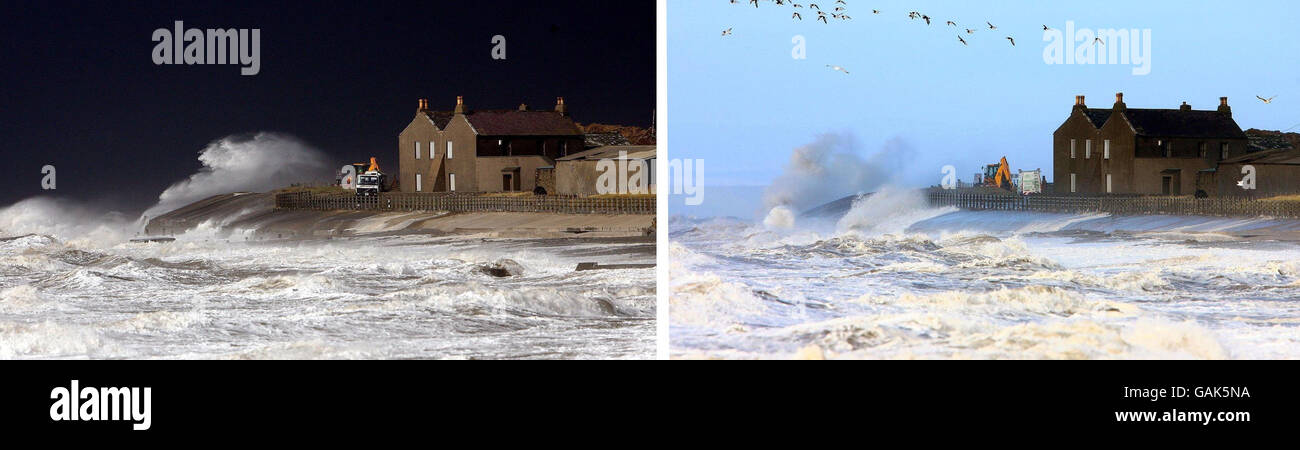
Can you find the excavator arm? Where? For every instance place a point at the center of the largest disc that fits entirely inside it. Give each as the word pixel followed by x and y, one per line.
pixel 1003 177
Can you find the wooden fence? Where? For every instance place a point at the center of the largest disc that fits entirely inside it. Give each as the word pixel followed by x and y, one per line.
pixel 1121 205
pixel 395 201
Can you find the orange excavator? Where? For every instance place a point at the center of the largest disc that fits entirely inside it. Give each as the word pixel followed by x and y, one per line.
pixel 998 175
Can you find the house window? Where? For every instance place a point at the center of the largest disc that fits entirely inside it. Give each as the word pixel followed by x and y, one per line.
pixel 1105 151
pixel 1169 150
pixel 433 152
pixel 417 150
pixel 419 185
pixel 1204 150
pixel 564 148
pixel 1087 149
pixel 1223 150
pixel 451 181
pixel 1108 185
pixel 1074 186
pixel 1072 146
pixel 449 152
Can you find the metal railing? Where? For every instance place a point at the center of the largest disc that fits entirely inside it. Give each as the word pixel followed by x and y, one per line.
pixel 1121 205
pixel 457 202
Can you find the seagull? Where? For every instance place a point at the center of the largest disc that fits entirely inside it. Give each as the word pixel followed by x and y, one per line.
pixel 992 26
pixel 927 19
pixel 1045 28
pixel 841 69
pixel 963 41
pixel 952 24
pixel 1267 101
pixel 821 18
pixel 1098 41
pixel 970 31
pixel 1013 41
pixel 726 32
pixel 875 11
pixel 796 16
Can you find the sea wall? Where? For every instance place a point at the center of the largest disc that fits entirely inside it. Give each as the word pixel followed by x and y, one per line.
pixel 1119 205
pixel 454 202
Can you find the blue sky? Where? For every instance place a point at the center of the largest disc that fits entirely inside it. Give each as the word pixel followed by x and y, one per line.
pixel 742 103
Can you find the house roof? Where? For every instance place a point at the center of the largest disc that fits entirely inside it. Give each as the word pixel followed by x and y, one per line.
pixel 594 140
pixel 1174 123
pixel 440 118
pixel 512 122
pixel 1267 141
pixel 612 152
pixel 1098 117
pixel 1274 156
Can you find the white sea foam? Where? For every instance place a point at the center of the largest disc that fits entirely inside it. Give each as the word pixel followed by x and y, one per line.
pixel 897 279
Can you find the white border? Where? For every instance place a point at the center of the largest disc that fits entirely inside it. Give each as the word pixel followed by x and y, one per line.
pixel 661 199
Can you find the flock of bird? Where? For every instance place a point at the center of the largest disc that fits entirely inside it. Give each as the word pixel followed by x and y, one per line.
pixel 839 11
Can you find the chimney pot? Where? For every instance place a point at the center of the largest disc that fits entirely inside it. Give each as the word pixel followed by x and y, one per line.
pixel 1119 97
pixel 1185 107
pixel 523 106
pixel 559 105
pixel 460 105
pixel 1223 101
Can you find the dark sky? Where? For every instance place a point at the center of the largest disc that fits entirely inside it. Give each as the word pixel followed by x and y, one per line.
pixel 79 90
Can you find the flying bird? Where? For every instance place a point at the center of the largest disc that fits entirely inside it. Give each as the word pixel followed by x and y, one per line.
pixel 963 41
pixel 796 16
pixel 726 32
pixel 970 31
pixel 1045 28
pixel 927 19
pixel 952 24
pixel 875 11
pixel 992 26
pixel 1098 41
pixel 1267 101
pixel 1013 41
pixel 841 69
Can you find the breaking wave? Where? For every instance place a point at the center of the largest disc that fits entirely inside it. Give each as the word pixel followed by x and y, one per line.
pixel 894 278
pixel 255 163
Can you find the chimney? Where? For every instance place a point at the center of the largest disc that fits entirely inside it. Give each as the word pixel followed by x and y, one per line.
pixel 1119 102
pixel 460 105
pixel 1185 107
pixel 1224 108
pixel 523 106
pixel 1079 103
pixel 422 105
pixel 559 106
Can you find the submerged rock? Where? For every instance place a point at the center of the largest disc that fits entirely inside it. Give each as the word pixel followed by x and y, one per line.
pixel 502 268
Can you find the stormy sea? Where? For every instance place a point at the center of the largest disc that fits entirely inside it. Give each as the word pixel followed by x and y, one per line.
pixel 74 285
pixel 893 278
pixel 405 296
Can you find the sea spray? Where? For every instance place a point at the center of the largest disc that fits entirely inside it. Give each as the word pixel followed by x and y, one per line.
pixel 889 210
pixel 832 167
pixel 62 219
pixel 253 163
pixel 779 217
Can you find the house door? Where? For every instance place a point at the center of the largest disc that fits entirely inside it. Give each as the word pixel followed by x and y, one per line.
pixel 1166 184
pixel 507 182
